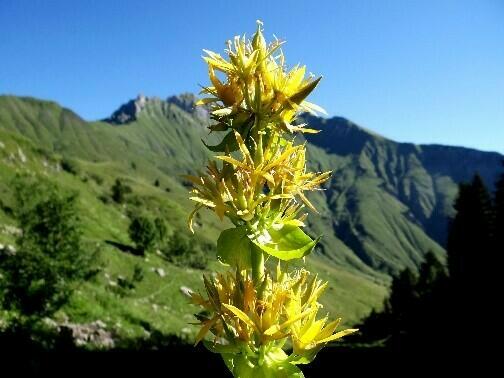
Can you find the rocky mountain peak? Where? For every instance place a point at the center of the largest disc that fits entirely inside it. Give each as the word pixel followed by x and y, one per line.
pixel 187 102
pixel 129 111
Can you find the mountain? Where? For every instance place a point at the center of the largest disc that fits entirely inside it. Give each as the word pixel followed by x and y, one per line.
pixel 391 201
pixel 384 208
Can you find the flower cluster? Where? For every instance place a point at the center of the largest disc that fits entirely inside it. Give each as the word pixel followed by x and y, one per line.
pixel 258 91
pixel 256 186
pixel 258 182
pixel 251 325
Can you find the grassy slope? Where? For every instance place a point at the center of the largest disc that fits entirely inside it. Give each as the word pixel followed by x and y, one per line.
pixel 158 146
pixel 390 201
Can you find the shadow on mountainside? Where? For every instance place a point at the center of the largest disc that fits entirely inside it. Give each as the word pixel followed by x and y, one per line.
pixel 125 248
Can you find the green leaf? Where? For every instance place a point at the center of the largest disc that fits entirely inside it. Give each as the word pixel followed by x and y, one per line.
pixel 228 141
pixel 304 359
pixel 287 243
pixel 218 127
pixel 233 247
pixel 229 360
pixel 222 349
pixel 245 367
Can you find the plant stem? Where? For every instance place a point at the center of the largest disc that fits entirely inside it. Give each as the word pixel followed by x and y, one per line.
pixel 257 265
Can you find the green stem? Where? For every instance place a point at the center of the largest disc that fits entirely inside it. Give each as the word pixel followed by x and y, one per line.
pixel 257 265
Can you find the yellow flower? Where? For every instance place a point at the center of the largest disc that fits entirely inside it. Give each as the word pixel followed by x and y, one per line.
pixel 258 86
pixel 259 183
pixel 308 334
pixel 246 189
pixel 251 319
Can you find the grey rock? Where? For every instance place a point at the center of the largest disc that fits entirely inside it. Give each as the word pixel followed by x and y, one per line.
pixel 128 112
pixel 21 155
pixel 94 333
pixel 160 272
pixel 186 290
pixel 187 102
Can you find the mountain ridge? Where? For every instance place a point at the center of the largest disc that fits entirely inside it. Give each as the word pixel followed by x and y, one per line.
pixel 416 182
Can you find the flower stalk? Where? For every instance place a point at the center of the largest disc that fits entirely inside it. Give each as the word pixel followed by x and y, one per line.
pixel 258 181
pixel 257 265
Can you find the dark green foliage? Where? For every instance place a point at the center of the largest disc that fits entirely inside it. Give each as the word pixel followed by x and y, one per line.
pixel 138 274
pixel 475 259
pixel 50 259
pixel 127 284
pixel 412 309
pixel 136 201
pixel 445 306
pixel 96 178
pixel 105 198
pixel 71 166
pixel 182 250
pixel 499 219
pixel 120 190
pixel 143 233
pixel 469 241
pixel 161 230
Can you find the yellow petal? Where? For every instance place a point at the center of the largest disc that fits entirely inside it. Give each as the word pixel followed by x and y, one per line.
pixel 312 332
pixel 191 216
pixel 337 335
pixel 232 161
pixel 203 201
pixel 244 150
pixel 278 327
pixel 241 315
pixel 306 202
pixel 206 100
pixel 328 329
pixel 206 327
pixel 313 108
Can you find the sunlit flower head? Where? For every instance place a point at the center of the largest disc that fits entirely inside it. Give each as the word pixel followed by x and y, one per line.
pixel 257 90
pixel 257 188
pixel 254 320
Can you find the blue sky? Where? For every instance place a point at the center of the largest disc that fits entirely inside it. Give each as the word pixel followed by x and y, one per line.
pixel 415 71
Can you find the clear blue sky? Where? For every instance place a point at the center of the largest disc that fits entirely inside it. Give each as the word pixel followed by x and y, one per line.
pixel 416 71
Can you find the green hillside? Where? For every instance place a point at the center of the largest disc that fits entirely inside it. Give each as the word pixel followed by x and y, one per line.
pixel 384 208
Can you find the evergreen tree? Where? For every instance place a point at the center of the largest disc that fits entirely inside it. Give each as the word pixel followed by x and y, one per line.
pixel 469 240
pixel 499 218
pixel 412 310
pixel 431 312
pixel 472 264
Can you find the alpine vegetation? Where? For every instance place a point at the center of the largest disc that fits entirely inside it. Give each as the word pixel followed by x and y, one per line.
pixel 258 181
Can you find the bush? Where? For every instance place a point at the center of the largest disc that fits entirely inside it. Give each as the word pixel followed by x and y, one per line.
pixel 71 166
pixel 120 190
pixel 161 230
pixel 127 284
pixel 50 259
pixel 183 251
pixel 96 178
pixel 143 233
